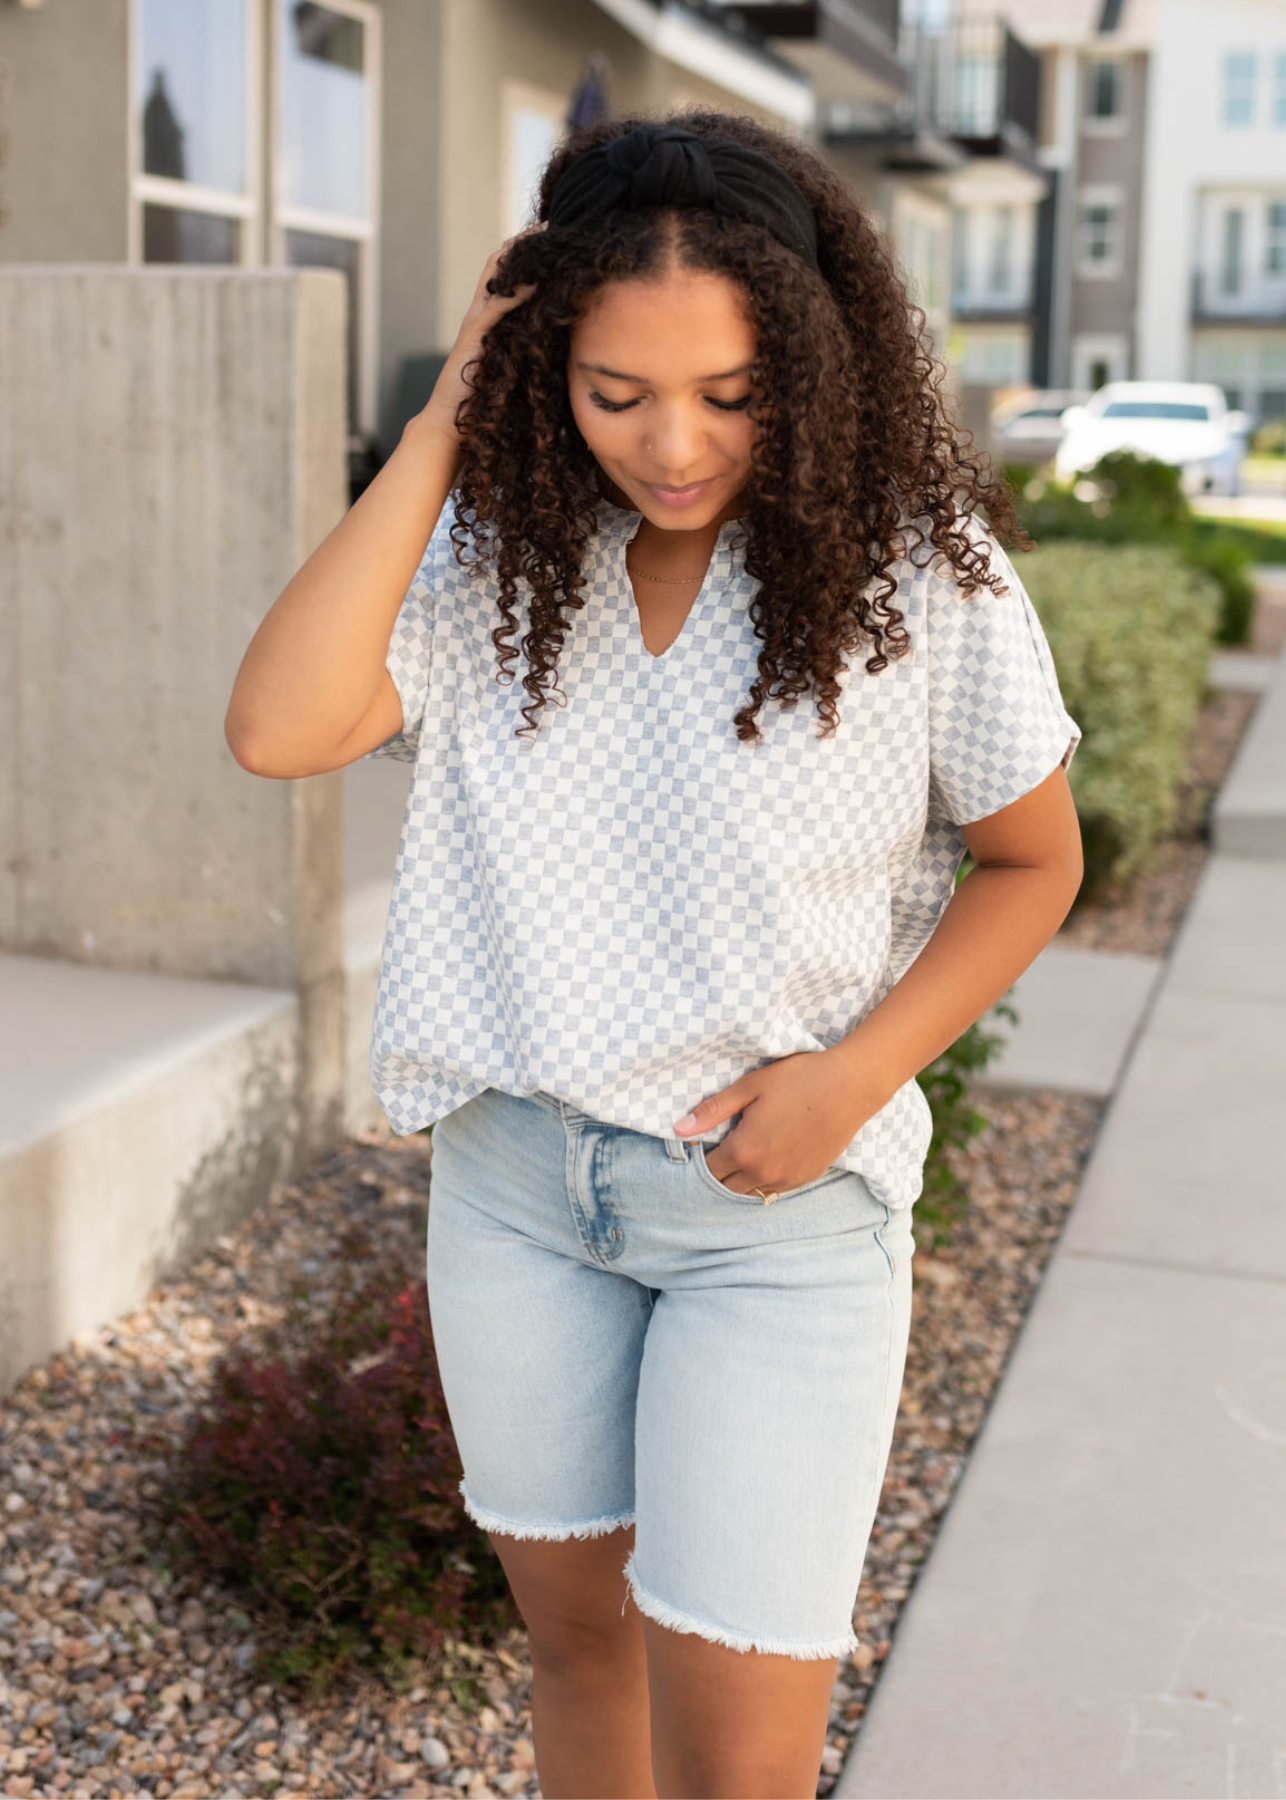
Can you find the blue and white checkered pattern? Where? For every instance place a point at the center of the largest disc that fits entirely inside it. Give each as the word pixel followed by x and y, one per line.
pixel 634 909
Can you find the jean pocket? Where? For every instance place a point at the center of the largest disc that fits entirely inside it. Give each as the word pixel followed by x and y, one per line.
pixel 831 1176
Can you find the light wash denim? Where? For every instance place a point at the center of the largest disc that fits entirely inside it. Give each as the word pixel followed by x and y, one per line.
pixel 622 1339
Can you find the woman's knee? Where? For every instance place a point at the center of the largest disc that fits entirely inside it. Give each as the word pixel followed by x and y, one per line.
pixel 571 1593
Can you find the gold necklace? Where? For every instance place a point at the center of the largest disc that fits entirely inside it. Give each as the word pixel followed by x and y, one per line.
pixel 669 580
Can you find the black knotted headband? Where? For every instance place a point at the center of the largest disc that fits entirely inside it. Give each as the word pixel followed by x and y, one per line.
pixel 665 165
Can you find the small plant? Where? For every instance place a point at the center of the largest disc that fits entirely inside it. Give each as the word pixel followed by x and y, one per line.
pixel 321 1484
pixel 946 1086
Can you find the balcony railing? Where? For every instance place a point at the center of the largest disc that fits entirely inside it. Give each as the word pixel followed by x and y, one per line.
pixel 975 80
pixel 972 303
pixel 1261 297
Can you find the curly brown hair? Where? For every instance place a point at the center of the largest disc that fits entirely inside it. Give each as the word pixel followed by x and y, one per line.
pixel 855 444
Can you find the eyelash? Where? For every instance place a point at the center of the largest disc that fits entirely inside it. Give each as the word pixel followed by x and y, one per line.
pixel 625 405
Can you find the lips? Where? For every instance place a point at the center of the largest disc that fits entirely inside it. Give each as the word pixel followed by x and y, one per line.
pixel 678 496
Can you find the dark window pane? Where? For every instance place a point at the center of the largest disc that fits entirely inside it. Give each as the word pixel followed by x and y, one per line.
pixel 1105 84
pixel 172 235
pixel 1233 221
pixel 190 84
pixel 311 249
pixel 1272 403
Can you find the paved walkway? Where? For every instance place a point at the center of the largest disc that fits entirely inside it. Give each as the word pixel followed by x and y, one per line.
pixel 1104 1610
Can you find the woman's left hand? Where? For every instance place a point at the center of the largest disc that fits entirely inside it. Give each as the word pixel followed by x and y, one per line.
pixel 797 1116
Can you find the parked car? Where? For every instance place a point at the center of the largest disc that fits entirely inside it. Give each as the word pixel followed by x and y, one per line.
pixel 1185 423
pixel 1027 429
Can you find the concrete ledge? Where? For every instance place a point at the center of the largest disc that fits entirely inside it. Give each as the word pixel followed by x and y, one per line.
pixel 1078 1011
pixel 1249 817
pixel 1241 671
pixel 141 1116
pixel 1187 1170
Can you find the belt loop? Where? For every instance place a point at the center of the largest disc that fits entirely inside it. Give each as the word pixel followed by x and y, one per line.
pixel 676 1149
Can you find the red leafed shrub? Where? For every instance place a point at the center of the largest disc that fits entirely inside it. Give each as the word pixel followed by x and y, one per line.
pixel 322 1486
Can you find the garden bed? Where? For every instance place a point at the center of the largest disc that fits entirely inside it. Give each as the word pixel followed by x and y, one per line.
pixel 122 1680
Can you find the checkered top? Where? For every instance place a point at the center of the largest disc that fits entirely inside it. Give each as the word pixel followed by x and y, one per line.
pixel 634 909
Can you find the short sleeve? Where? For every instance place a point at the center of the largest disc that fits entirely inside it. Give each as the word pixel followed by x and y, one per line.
pixel 408 661
pixel 997 723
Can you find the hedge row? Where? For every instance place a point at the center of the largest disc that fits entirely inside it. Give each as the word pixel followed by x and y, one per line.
pixel 1131 628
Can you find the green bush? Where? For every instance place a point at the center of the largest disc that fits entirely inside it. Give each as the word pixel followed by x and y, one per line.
pixel 1223 556
pixel 1259 539
pixel 1129 499
pixel 1269 439
pixel 1131 629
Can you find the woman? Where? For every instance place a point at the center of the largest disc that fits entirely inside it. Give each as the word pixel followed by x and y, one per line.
pixel 664 959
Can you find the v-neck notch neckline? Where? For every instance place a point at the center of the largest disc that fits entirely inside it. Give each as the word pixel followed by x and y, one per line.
pixel 622 523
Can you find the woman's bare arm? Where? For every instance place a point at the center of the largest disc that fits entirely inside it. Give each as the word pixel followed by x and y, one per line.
pixel 314 667
pixel 313 691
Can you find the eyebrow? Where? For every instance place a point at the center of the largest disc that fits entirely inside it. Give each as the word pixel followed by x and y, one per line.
pixel 616 375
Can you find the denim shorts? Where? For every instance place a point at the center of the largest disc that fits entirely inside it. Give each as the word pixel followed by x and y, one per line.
pixel 623 1340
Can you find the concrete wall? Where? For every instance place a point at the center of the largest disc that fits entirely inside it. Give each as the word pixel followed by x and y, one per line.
pixel 64 157
pixel 171 450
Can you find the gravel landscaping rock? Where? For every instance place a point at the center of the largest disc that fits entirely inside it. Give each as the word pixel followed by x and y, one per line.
pixel 118 1677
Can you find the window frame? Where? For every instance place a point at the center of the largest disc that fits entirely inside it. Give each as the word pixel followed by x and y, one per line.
pixel 1226 92
pixel 366 232
pixel 1092 197
pixel 521 96
pixel 190 196
pixel 1106 124
pixel 1273 260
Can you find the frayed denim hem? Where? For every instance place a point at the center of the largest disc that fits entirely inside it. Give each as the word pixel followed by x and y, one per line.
pixel 652 1608
pixel 490 1521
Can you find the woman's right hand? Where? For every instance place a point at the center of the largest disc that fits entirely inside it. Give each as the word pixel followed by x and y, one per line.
pixel 450 389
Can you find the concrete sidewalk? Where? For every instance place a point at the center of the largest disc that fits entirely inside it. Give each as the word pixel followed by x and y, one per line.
pixel 1103 1613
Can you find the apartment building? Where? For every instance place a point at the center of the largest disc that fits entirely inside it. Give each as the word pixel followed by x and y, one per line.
pixel 952 165
pixel 1212 254
pixel 394 140
pixel 1163 240
pixel 1093 123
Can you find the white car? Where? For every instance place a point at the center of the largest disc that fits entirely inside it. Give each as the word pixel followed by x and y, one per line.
pixel 1028 429
pixel 1185 423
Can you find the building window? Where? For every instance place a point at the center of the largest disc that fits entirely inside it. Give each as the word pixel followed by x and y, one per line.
pixel 1099 235
pixel 1272 403
pixel 1279 88
pixel 1234 229
pixel 1275 238
pixel 960 252
pixel 933 271
pixel 195 155
pixel 533 119
pixel 995 359
pixel 1239 88
pixel 1000 274
pixel 1104 94
pixel 326 113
